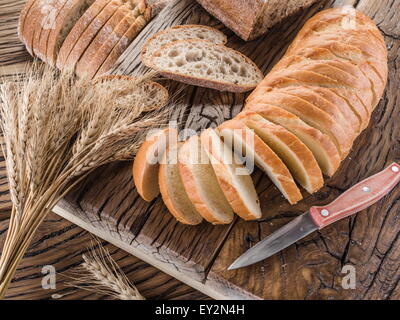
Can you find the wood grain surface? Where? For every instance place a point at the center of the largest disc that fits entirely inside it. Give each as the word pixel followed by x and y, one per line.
pixel 59 242
pixel 310 269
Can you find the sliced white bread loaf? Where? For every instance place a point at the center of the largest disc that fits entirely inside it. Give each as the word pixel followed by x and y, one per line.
pixel 185 32
pixel 147 162
pixel 201 183
pixel 78 29
pixel 172 190
pixel 206 64
pixel 233 177
pixel 297 157
pixel 237 135
pixel 77 49
pixel 324 150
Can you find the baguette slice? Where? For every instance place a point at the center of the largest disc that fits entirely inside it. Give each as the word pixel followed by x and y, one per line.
pixel 236 134
pixel 173 191
pixel 78 29
pixel 147 162
pixel 297 157
pixel 185 32
pixel 89 34
pixel 234 178
pixel 321 145
pixel 205 64
pixel 201 183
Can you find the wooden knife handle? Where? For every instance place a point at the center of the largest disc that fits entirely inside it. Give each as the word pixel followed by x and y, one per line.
pixel 357 198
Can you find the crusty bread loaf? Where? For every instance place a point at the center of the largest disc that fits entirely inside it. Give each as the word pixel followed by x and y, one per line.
pixel 201 183
pixel 89 34
pixel 251 18
pixel 173 191
pixel 233 177
pixel 147 162
pixel 240 138
pixel 78 29
pixel 336 65
pixel 297 157
pixel 29 4
pixel 206 64
pixel 185 32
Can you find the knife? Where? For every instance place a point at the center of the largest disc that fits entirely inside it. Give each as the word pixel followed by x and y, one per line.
pixel 357 198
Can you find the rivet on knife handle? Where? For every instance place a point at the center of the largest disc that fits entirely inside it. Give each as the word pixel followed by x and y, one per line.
pixel 357 198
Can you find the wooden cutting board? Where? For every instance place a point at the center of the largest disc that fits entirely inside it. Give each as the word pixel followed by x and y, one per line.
pixel 108 205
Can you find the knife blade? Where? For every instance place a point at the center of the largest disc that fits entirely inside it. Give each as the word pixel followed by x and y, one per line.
pixel 357 198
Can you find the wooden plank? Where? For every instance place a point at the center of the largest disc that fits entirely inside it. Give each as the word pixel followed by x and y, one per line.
pixel 311 269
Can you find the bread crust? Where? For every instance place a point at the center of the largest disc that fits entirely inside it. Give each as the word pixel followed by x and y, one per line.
pixel 278 170
pixel 78 29
pixel 310 172
pixel 201 82
pixel 21 23
pixel 144 53
pixel 226 179
pixel 86 38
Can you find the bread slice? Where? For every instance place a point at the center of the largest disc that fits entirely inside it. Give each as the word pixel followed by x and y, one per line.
pixel 51 39
pixel 149 94
pixel 147 162
pixel 241 139
pixel 322 147
pixel 297 157
pixel 109 34
pixel 205 64
pixel 201 183
pixel 185 32
pixel 78 29
pixel 125 41
pixel 233 177
pixel 90 33
pixel 173 191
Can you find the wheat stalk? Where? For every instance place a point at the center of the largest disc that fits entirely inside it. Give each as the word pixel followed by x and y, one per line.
pixel 57 129
pixel 100 273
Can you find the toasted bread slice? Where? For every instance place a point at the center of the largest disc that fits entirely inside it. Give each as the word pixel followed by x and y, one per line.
pixel 233 177
pixel 147 161
pixel 297 157
pixel 185 32
pixel 242 139
pixel 173 191
pixel 205 64
pixel 321 145
pixel 78 29
pixel 201 183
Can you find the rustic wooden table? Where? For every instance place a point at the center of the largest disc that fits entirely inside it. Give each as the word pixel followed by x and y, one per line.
pixel 310 270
